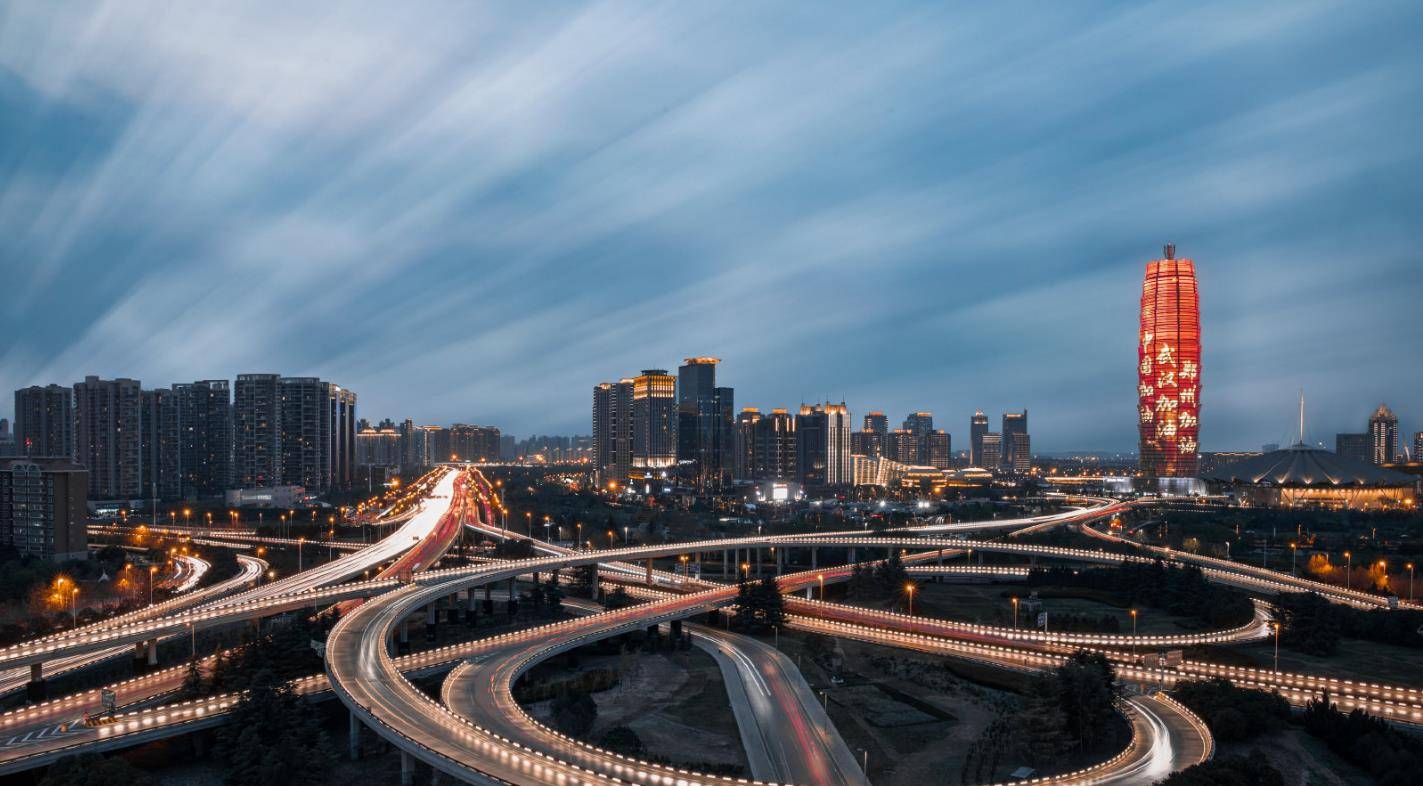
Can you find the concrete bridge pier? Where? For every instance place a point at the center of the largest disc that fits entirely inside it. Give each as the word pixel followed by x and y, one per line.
pixel 353 737
pixel 780 560
pixel 407 769
pixel 36 689
pixel 153 652
pixel 814 558
pixel 648 576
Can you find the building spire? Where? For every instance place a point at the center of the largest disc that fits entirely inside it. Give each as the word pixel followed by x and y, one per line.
pixel 1301 416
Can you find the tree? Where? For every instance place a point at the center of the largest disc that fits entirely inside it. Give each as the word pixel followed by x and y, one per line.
pixel 274 737
pixel 574 713
pixel 192 681
pixel 1253 770
pixel 91 769
pixel 1086 692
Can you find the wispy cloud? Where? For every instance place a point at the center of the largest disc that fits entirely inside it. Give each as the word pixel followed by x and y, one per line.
pixel 477 211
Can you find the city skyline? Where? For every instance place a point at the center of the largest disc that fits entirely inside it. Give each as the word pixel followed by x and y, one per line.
pixel 796 209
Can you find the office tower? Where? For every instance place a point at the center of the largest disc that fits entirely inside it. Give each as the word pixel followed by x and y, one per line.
pixel 8 446
pixel 108 439
pixel 877 422
pixel 704 422
pixel 342 402
pixel 992 450
pixel 204 438
pixel 902 446
pixel 44 507
pixel 474 443
pixel 744 450
pixel 1013 423
pixel 773 455
pixel 866 443
pixel 1022 462
pixel 940 449
pixel 1417 447
pixel 1353 446
pixel 654 421
pixel 257 431
pixel 823 445
pixel 161 444
pixel 1383 436
pixel 44 421
pixel 509 449
pixel 612 431
pixel 1169 368
pixel 977 427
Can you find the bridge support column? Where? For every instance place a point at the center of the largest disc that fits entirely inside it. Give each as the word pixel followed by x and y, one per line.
pixel 403 645
pixel 648 576
pixel 353 737
pixel 36 689
pixel 807 593
pixel 407 769
pixel 452 607
pixel 940 559
pixel 853 560
pixel 153 652
pixel 814 558
pixel 469 612
pixel 724 563
pixel 780 560
pixel 432 620
pixel 758 562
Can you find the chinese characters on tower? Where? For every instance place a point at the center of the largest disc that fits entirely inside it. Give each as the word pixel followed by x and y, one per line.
pixel 1169 368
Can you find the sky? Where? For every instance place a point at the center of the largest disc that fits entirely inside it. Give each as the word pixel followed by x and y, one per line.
pixel 475 212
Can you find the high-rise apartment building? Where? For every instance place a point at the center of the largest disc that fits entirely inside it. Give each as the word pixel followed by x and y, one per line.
pixel 612 431
pixel 474 443
pixel 992 443
pixel 257 431
pixel 940 449
pixel 921 425
pixel 705 433
pixel 44 421
pixel 1169 368
pixel 205 445
pixel 108 439
pixel 823 445
pixel 1383 436
pixel 1013 423
pixel 877 422
pixel 305 421
pixel 902 446
pixel 773 453
pixel 1353 446
pixel 1417 447
pixel 44 507
pixel 1022 462
pixel 654 422
pixel 870 439
pixel 378 446
pixel 744 450
pixel 161 445
pixel 977 427
pixel 8 445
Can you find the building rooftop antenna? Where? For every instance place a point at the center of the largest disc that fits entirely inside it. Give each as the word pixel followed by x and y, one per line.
pixel 1301 416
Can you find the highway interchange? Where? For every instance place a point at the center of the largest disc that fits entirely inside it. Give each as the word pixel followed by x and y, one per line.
pixel 477 732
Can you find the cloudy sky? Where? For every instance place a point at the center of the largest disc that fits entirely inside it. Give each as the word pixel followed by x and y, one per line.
pixel 477 211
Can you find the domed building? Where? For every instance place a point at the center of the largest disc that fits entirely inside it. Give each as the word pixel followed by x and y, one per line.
pixel 1304 476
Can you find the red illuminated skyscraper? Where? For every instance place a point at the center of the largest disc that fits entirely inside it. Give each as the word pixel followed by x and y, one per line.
pixel 1169 368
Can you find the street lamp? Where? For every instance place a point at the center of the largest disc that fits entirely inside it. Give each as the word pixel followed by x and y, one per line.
pixel 821 577
pixel 1133 631
pixel 152 569
pixel 73 612
pixel 299 542
pixel 909 590
pixel 1348 570
pixel 1015 612
pixel 1410 582
pixel 1277 647
pixel 1294 550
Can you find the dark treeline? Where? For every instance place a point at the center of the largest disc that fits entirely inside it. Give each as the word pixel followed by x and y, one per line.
pixel 1313 625
pixel 1387 754
pixel 1181 590
pixel 1234 714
